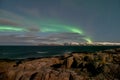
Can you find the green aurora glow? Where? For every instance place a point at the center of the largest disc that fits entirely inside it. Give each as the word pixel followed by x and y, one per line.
pixel 60 28
pixel 65 28
pixel 88 40
pixel 49 28
pixel 11 28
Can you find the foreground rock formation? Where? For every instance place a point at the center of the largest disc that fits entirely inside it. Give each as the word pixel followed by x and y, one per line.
pixel 104 65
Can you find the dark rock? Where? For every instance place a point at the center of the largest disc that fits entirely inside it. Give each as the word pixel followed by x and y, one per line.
pixel 104 65
pixel 32 77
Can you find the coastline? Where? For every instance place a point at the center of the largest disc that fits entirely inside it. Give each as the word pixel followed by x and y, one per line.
pixel 102 65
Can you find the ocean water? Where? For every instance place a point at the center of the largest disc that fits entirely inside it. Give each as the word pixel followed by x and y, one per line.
pixel 23 52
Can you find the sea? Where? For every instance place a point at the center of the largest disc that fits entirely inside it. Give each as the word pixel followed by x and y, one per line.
pixel 25 52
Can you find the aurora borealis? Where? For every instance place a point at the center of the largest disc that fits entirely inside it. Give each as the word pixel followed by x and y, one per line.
pixel 7 28
pixel 48 21
pixel 45 28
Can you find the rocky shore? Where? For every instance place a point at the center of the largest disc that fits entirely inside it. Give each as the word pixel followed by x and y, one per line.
pixel 102 65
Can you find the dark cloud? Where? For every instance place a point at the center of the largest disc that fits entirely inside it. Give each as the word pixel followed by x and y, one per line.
pixel 33 29
pixel 36 39
pixel 66 36
pixel 8 22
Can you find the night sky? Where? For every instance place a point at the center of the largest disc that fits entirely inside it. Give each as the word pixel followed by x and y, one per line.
pixel 59 21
